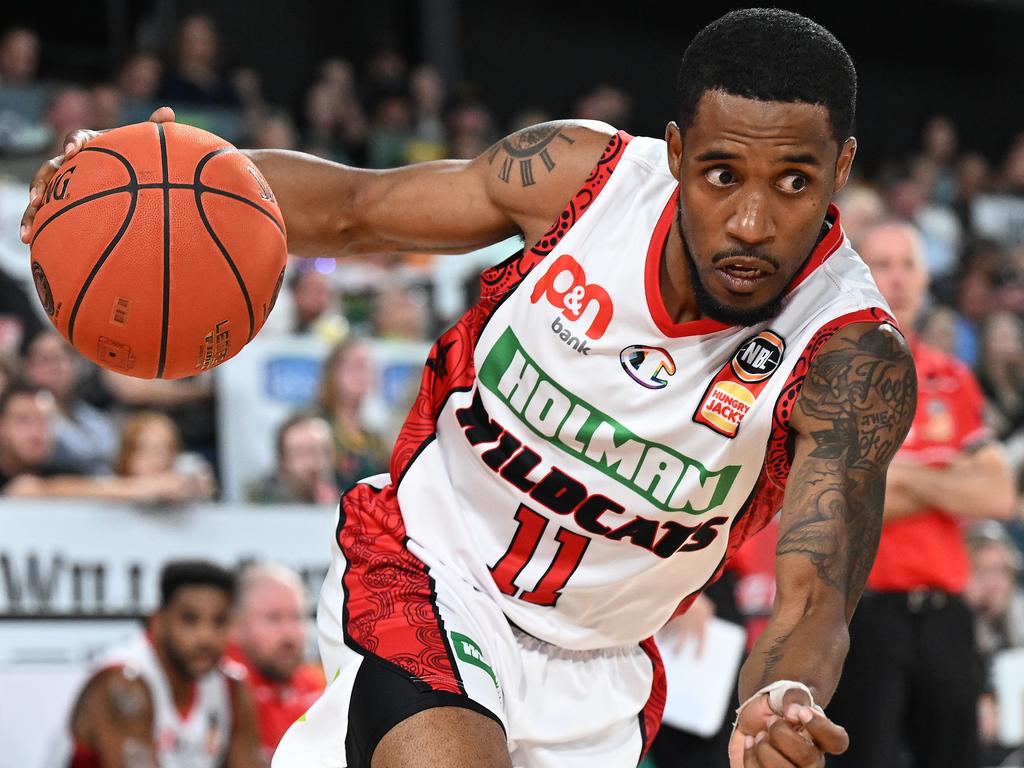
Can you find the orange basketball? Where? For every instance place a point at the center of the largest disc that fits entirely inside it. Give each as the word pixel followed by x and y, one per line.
pixel 158 250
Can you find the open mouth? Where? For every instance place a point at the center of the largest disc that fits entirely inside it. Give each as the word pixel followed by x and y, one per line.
pixel 744 275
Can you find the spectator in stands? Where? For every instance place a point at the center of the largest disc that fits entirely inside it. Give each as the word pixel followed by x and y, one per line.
pixel 348 377
pixel 338 78
pixel 973 178
pixel 939 329
pixel 274 130
pixel 315 305
pixel 605 103
pixel 1001 372
pixel 106 105
pixel 151 449
pixel 196 77
pixel 912 636
pixel 139 78
pixel 428 96
pixel 939 152
pixel 908 199
pixel 9 371
pixel 390 132
pixel 26 439
pixel 862 209
pixel 70 108
pixel 400 313
pixel 26 433
pixel 269 640
pixel 322 119
pixel 471 129
pixel 305 465
pixel 19 57
pixel 19 319
pixel 188 402
pixel 85 439
pixel 998 605
pixel 385 72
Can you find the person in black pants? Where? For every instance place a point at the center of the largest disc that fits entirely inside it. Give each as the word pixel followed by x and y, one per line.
pixel 909 690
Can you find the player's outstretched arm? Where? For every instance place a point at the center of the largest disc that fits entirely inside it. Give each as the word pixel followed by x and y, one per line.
pixel 114 718
pixel 854 410
pixel 518 186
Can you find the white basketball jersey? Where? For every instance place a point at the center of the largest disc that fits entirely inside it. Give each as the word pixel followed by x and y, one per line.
pixel 593 462
pixel 195 739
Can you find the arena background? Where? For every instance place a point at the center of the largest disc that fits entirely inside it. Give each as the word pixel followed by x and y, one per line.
pixel 78 575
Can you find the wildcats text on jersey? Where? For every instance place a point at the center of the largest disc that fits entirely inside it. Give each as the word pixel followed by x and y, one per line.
pixel 666 478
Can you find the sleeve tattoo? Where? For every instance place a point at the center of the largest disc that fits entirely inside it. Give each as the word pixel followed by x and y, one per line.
pixel 856 405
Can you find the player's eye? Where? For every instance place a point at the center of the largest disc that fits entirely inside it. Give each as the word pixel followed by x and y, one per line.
pixel 793 182
pixel 720 177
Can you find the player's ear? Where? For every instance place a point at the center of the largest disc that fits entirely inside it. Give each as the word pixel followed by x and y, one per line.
pixel 844 163
pixel 674 142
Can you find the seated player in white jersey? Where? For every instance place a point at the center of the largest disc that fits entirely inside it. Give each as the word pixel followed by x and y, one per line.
pixel 686 344
pixel 162 700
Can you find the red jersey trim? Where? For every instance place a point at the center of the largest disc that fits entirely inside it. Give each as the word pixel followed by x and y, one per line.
pixel 651 714
pixel 652 271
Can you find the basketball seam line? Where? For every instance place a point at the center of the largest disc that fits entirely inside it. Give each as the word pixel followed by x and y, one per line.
pixel 107 251
pixel 167 252
pixel 197 184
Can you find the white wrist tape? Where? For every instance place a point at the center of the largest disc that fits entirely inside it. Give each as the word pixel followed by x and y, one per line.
pixel 776 692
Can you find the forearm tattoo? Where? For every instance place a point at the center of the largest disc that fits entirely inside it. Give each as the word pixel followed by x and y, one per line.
pixel 513 156
pixel 859 400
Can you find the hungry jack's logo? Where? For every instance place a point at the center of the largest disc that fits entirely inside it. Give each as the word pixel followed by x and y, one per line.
pixel 733 392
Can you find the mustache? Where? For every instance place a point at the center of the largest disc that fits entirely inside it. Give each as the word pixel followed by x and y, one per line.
pixel 765 257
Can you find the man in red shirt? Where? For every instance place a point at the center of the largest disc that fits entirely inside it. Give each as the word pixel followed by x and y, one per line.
pixel 912 678
pixel 269 640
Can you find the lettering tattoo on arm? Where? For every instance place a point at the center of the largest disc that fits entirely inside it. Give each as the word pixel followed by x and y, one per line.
pixel 513 156
pixel 858 401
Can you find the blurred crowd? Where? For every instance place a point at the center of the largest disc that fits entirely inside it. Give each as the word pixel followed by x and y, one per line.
pixel 69 429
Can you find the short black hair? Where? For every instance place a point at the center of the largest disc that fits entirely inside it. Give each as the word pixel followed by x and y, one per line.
pixel 194 573
pixel 17 388
pixel 769 55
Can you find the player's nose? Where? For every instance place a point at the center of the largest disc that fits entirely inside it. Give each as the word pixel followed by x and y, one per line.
pixel 751 223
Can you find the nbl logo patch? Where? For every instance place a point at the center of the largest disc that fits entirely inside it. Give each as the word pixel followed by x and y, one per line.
pixel 758 357
pixel 734 390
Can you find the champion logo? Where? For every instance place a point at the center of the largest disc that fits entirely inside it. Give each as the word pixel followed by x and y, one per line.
pixel 647 365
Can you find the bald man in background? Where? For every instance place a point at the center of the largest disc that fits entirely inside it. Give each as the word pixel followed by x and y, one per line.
pixel 269 641
pixel 912 678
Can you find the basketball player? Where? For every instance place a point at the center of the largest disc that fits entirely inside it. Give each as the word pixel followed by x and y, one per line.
pixel 690 346
pixel 163 700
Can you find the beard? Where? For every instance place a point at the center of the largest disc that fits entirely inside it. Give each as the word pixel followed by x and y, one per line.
pixel 711 307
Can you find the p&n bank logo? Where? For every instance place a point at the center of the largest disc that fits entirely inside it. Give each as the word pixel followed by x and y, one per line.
pixel 566 288
pixel 645 365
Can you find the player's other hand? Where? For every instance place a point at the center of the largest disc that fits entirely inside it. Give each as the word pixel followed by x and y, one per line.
pixel 73 142
pixel 799 739
pixel 691 625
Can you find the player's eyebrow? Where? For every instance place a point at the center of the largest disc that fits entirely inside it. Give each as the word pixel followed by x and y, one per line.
pixel 801 158
pixel 716 154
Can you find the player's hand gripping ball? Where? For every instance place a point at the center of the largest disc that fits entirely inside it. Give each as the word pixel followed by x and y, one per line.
pixel 157 249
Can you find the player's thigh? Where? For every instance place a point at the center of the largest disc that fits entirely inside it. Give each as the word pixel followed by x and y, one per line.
pixel 445 736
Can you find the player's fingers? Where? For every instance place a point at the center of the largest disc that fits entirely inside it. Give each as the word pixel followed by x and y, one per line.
pixel 36 188
pixel 75 140
pixel 830 737
pixel 796 747
pixel 770 757
pixel 162 115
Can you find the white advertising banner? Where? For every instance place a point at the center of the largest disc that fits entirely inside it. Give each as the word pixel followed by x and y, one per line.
pixel 74 575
